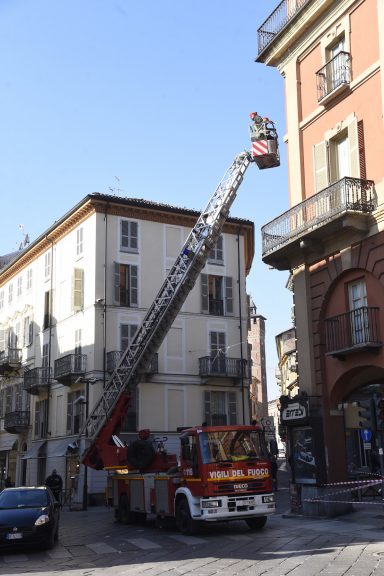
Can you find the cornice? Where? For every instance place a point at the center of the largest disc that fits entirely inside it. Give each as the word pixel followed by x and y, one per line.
pixel 95 205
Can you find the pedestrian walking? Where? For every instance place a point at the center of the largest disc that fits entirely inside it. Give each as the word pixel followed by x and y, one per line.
pixel 55 483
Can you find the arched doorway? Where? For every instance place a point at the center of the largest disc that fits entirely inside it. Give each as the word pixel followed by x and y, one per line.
pixel 364 430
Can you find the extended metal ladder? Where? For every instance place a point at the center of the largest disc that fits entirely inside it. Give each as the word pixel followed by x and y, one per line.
pixel 171 297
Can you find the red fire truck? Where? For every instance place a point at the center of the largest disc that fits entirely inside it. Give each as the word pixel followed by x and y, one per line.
pixel 221 472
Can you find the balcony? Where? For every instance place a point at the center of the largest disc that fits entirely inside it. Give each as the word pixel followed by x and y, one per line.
pixel 333 78
pixel 344 204
pixel 68 368
pixel 354 331
pixel 10 360
pixel 277 21
pixel 114 357
pixel 222 367
pixel 16 422
pixel 37 380
pixel 215 307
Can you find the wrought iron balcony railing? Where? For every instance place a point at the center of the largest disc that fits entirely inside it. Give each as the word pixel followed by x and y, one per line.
pixel 68 368
pixel 348 194
pixel 216 307
pixel 114 357
pixel 279 18
pixel 353 331
pixel 16 422
pixel 335 74
pixel 37 380
pixel 223 367
pixel 10 359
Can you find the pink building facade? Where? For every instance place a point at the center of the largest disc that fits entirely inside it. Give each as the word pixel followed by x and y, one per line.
pixel 331 55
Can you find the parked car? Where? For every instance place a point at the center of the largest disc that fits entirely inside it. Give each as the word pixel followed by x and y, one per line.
pixel 29 515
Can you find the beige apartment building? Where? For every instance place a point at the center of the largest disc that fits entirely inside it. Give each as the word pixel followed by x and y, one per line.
pixel 331 55
pixel 69 304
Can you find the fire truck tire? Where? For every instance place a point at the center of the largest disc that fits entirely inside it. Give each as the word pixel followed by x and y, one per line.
pixel 125 515
pixel 140 453
pixel 256 523
pixel 184 521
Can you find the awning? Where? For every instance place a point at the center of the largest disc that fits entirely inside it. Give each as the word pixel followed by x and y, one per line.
pixel 58 447
pixel 7 442
pixel 35 450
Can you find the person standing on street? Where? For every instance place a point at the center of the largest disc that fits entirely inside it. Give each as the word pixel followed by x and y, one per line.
pixel 55 483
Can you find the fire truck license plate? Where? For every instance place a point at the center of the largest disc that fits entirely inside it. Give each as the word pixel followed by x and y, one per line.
pixel 246 503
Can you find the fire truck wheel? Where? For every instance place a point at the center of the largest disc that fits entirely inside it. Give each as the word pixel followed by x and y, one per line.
pixel 256 523
pixel 184 521
pixel 140 453
pixel 125 515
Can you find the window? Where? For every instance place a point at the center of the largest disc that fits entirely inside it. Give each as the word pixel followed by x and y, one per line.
pixel 19 286
pixel 218 350
pixel 75 413
pixel 29 278
pixel 47 265
pixel 45 356
pixel 79 241
pixel 216 254
pixel 220 408
pixel 78 351
pixel 17 341
pixel 126 284
pixel 357 292
pixel 78 289
pixel 47 310
pixel 28 331
pixel 10 293
pixel 338 155
pixel 216 295
pixel 127 332
pixel 40 426
pixel 128 236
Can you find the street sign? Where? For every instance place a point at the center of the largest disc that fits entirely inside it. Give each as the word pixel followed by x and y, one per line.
pixel 366 434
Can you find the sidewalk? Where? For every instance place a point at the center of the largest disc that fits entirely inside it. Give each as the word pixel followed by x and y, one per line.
pixel 367 516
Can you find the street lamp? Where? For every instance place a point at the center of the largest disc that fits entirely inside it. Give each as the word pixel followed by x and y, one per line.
pixel 85 402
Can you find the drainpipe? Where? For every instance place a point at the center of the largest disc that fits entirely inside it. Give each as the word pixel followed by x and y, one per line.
pixel 47 412
pixel 240 324
pixel 105 294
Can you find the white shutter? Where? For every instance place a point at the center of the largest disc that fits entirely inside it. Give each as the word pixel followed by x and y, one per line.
pixel 353 140
pixel 320 166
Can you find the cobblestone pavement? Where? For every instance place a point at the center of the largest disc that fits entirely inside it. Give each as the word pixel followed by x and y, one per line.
pixel 92 543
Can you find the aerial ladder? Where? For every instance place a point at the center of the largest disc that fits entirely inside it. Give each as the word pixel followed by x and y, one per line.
pixel 105 448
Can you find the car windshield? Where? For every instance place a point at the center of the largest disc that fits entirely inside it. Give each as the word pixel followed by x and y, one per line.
pixel 23 499
pixel 232 446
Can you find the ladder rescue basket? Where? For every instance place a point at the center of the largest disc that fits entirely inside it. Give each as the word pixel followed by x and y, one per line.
pixel 265 150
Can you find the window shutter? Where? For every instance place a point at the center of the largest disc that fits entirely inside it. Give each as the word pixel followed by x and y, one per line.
pixel 116 282
pixel 320 166
pixel 228 295
pixel 133 236
pixel 3 334
pixel 78 289
pixel 204 294
pixel 124 240
pixel 133 286
pixel 354 148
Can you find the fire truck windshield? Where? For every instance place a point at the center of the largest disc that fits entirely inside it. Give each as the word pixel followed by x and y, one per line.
pixel 232 446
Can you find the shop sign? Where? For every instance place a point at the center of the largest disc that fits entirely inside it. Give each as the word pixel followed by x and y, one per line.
pixel 294 411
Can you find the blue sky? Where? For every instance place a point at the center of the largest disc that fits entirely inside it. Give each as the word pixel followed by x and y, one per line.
pixel 149 99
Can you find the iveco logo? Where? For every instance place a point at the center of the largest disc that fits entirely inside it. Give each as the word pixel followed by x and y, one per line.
pixel 240 486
